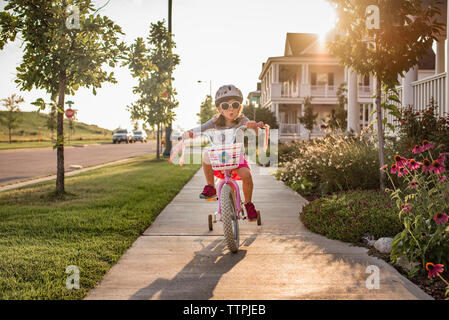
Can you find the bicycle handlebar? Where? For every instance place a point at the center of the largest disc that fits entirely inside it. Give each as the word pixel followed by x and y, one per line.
pixel 206 133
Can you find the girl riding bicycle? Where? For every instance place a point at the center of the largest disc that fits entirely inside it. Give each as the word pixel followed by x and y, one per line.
pixel 228 101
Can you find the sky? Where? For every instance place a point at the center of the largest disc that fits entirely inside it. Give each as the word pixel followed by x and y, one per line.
pixel 219 42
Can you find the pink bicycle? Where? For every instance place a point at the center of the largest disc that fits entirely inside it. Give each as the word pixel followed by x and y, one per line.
pixel 225 155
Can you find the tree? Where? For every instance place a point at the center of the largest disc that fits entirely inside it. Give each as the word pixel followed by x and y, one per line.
pixel 153 66
pixel 12 117
pixel 66 46
pixel 309 118
pixel 339 117
pixel 207 110
pixel 263 114
pixel 383 38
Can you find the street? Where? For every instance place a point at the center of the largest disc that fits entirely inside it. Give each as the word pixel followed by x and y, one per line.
pixel 18 165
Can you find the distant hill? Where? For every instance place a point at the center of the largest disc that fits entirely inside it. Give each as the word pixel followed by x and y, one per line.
pixel 33 126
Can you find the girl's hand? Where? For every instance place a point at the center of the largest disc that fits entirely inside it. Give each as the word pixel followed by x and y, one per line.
pixel 252 125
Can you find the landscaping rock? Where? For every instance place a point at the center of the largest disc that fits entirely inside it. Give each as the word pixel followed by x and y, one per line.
pixel 403 262
pixel 369 239
pixel 383 245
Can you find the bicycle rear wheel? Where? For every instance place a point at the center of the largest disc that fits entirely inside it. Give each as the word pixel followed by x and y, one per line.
pixel 229 216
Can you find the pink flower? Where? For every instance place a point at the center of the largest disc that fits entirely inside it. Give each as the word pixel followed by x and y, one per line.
pixel 426 165
pixel 405 208
pixel 426 145
pixel 440 218
pixel 434 269
pixel 413 164
pixel 402 172
pixel 400 161
pixel 417 149
pixel 394 168
pixel 437 167
pixel 442 179
pixel 441 159
pixel 413 184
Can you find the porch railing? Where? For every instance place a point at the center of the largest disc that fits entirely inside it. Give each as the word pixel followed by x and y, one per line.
pixel 290 128
pixel 430 87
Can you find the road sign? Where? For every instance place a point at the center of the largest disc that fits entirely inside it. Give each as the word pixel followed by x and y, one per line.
pixel 69 113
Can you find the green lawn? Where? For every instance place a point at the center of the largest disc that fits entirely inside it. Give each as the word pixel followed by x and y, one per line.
pixel 103 214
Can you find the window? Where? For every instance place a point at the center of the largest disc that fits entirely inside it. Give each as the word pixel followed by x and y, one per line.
pixel 321 79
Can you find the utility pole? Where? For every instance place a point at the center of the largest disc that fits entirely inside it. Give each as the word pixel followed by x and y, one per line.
pixel 168 128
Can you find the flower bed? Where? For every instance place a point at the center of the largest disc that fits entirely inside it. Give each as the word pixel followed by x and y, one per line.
pixel 333 163
pixel 422 207
pixel 347 216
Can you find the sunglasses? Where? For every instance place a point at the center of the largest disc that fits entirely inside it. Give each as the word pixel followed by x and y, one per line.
pixel 226 105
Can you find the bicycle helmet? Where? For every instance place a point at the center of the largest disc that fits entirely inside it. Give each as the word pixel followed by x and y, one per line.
pixel 227 92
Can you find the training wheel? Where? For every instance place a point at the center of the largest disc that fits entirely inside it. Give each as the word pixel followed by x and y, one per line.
pixel 211 220
pixel 259 221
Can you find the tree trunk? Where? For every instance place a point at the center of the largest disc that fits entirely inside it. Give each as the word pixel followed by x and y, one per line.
pixel 380 132
pixel 9 129
pixel 157 141
pixel 60 138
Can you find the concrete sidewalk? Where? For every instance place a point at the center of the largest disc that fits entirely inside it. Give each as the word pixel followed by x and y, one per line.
pixel 178 258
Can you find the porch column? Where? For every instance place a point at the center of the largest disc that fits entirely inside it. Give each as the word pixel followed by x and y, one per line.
pixel 276 108
pixel 446 107
pixel 407 89
pixel 353 105
pixel 439 60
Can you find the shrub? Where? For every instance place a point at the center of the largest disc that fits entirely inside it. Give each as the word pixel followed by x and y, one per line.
pixel 423 208
pixel 330 164
pixel 415 126
pixel 347 216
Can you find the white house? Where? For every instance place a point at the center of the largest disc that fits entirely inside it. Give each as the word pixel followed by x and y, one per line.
pixel 308 70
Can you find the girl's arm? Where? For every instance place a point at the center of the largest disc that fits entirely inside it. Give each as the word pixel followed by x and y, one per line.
pixel 205 126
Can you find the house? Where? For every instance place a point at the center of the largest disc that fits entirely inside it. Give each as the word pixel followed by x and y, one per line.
pixel 254 96
pixel 307 69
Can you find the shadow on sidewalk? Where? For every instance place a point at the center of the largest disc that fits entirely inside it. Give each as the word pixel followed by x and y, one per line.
pixel 198 279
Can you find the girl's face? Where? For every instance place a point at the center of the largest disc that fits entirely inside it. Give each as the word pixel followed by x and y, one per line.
pixel 230 113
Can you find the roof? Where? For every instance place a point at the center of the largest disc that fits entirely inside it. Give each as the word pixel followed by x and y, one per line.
pixel 295 43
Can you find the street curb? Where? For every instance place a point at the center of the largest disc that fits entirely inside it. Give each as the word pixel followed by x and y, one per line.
pixel 67 174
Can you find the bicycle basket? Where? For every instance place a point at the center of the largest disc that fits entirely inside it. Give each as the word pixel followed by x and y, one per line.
pixel 225 157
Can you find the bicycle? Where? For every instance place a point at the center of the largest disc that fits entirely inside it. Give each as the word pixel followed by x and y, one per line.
pixel 225 156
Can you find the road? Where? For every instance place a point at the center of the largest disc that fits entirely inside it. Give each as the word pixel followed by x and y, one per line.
pixel 18 165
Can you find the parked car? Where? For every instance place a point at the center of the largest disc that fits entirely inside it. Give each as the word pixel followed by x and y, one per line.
pixel 176 136
pixel 122 135
pixel 140 136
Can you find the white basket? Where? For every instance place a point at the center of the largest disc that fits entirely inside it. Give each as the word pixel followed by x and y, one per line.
pixel 225 157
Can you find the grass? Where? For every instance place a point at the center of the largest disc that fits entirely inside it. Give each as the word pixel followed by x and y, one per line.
pixel 33 128
pixel 102 214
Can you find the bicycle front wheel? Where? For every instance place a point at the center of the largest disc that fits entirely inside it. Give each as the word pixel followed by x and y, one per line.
pixel 229 216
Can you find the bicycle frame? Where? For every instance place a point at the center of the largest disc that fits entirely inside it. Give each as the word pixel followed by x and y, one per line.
pixel 228 178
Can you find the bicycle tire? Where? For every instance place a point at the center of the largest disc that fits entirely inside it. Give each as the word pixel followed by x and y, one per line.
pixel 229 216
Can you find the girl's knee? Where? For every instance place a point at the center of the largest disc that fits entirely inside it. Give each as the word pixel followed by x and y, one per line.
pixel 245 174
